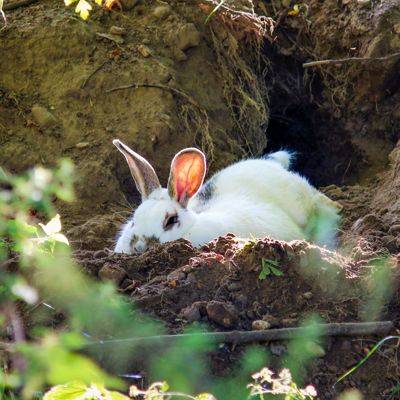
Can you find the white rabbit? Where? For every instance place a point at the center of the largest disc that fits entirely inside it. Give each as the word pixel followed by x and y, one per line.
pixel 251 198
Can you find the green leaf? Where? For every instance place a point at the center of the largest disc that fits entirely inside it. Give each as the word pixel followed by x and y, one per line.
pixel 69 391
pixel 271 262
pixel 276 271
pixel 265 271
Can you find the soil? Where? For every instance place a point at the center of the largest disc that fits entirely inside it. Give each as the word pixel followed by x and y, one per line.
pixel 343 120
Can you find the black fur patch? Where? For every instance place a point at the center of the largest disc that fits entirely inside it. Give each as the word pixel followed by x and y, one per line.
pixel 206 192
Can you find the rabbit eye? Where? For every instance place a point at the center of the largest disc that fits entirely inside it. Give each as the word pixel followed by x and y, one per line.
pixel 170 221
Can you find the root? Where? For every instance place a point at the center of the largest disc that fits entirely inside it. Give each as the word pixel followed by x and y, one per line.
pixel 244 91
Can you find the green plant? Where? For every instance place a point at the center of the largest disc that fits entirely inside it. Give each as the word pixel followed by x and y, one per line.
pixel 369 354
pixel 269 267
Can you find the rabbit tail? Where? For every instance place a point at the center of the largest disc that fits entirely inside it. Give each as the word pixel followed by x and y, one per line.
pixel 282 157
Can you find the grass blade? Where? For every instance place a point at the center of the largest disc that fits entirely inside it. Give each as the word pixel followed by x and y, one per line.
pixel 370 353
pixel 214 11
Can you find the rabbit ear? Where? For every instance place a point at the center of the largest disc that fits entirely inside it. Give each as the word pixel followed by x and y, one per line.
pixel 142 172
pixel 188 169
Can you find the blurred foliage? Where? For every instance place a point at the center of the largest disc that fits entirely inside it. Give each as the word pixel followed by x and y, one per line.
pixel 59 325
pixel 61 329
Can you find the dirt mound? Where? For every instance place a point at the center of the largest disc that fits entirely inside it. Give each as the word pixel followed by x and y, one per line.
pixel 229 284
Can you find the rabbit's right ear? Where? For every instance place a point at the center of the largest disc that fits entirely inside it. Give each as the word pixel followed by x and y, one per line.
pixel 143 173
pixel 188 169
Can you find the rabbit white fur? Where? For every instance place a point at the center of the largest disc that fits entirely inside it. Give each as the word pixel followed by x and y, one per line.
pixel 251 198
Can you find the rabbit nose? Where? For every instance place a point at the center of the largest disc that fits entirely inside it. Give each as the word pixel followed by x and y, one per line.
pixel 140 246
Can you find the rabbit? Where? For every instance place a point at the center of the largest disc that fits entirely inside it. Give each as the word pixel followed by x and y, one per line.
pixel 251 198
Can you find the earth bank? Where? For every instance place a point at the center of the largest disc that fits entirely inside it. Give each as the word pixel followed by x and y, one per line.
pixel 221 86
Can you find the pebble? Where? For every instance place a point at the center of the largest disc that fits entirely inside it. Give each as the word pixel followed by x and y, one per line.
pixel 308 295
pixel 162 11
pixel 43 117
pixel 117 30
pixel 99 254
pixel 273 321
pixel 260 325
pixel 144 51
pixel 82 145
pixel 395 229
pixel 176 276
pixel 222 313
pixel 113 273
pixel 191 313
pixel 186 36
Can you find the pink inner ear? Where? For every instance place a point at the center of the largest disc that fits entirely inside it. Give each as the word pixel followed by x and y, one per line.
pixel 180 189
pixel 189 169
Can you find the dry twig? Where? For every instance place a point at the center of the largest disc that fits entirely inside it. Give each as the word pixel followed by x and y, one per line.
pixel 350 59
pixel 240 337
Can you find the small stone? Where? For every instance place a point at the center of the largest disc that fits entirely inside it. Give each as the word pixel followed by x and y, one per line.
pixel 144 51
pixel 260 325
pixel 308 295
pixel 273 321
pixel 394 229
pixel 99 254
pixel 250 314
pixel 117 30
pixel 113 273
pixel 162 11
pixel 176 276
pixel 277 349
pixel 43 117
pixel 222 313
pixel 191 313
pixel 109 129
pixel 185 37
pixel 82 145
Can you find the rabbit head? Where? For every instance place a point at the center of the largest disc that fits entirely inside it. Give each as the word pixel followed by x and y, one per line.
pixel 163 215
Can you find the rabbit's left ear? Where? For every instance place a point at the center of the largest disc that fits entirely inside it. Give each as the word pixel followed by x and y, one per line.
pixel 188 169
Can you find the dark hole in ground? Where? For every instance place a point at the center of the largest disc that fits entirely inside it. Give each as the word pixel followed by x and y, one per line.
pixel 324 152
